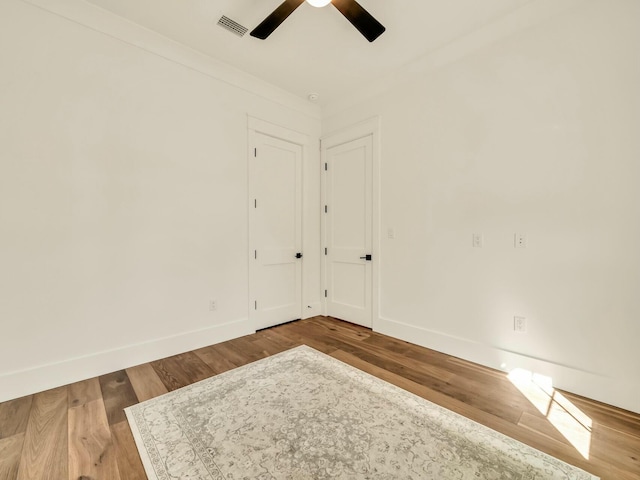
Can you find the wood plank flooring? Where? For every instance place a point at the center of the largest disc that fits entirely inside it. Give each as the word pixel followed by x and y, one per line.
pixel 79 431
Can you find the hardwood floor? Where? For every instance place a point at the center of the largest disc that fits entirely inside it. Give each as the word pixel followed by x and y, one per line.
pixel 79 431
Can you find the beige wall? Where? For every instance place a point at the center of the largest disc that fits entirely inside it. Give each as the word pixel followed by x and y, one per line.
pixel 537 133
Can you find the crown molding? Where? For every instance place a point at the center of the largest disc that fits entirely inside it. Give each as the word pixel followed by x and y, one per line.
pixel 529 15
pixel 112 25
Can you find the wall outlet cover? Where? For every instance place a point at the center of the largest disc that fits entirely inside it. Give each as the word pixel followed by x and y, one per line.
pixel 520 324
pixel 520 240
pixel 477 240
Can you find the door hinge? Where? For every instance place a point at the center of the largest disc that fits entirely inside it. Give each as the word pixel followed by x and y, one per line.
pixel 255 203
pixel 255 151
pixel 325 294
pixel 255 254
pixel 325 250
pixel 326 166
pixel 255 305
pixel 326 209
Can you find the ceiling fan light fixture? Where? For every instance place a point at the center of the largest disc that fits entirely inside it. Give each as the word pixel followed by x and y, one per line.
pixel 362 20
pixel 319 3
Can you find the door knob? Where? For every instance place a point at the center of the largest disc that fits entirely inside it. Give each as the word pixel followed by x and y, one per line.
pixel 298 255
pixel 366 257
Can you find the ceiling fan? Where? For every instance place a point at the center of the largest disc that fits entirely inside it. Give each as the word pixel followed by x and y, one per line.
pixel 352 10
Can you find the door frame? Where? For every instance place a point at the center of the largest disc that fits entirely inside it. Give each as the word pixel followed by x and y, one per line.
pixel 258 126
pixel 370 127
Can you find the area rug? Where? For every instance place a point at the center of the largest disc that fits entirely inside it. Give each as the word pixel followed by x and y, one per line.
pixel 304 415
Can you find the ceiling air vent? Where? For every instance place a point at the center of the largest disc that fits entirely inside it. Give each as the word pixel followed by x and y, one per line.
pixel 233 27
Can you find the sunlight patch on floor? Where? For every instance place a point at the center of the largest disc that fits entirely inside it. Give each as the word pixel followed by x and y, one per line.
pixel 568 419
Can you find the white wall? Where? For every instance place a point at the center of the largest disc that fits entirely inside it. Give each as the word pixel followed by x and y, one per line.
pixel 537 133
pixel 123 197
pixel 123 185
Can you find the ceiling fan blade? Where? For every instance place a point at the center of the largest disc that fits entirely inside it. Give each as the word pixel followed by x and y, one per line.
pixel 274 20
pixel 360 18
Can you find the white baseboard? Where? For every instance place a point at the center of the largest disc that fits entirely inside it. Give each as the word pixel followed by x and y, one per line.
pixel 43 377
pixel 622 393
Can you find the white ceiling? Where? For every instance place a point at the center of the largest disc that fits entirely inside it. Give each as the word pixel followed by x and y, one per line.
pixel 315 49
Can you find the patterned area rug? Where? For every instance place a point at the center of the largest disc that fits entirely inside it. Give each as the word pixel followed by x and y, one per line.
pixel 304 415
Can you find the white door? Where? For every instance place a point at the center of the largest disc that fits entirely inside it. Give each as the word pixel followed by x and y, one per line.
pixel 348 230
pixel 275 231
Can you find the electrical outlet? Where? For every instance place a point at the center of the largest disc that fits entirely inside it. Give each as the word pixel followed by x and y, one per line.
pixel 520 240
pixel 212 305
pixel 520 324
pixel 391 233
pixel 477 240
